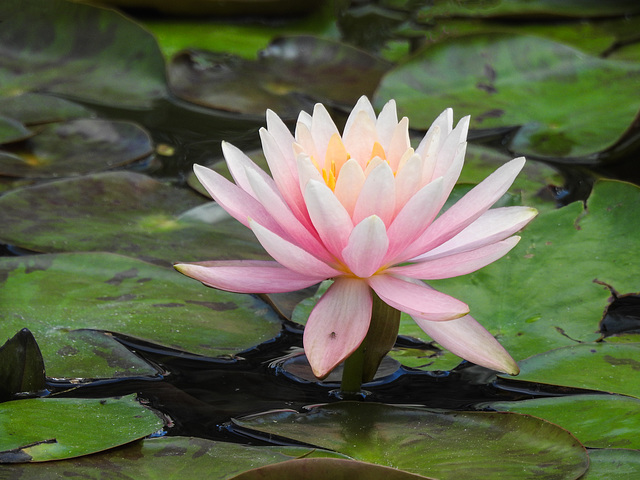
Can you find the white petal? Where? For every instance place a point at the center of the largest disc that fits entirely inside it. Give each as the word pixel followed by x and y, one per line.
pixel 349 184
pixel 368 244
pixel 386 124
pixel 363 105
pixel 378 196
pixel 322 129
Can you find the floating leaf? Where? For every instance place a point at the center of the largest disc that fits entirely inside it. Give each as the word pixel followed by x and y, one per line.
pixel 613 464
pixel 11 130
pixel 78 51
pixel 41 429
pixel 598 421
pixel 595 366
pixel 62 298
pixel 167 458
pixel 493 77
pixel 290 75
pixel 120 212
pixel 542 295
pixel 37 108
pixel 531 8
pixel 78 147
pixel 21 366
pixel 445 445
pixel 323 468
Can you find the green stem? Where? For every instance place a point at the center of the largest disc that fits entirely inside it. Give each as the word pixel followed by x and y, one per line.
pixel 363 363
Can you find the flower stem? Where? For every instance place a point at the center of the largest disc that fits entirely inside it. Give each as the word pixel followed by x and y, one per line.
pixel 361 366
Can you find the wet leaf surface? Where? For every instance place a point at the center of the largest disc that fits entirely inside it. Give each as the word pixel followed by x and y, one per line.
pixel 290 75
pixel 78 51
pixel 596 366
pixel 42 429
pixel 598 421
pixel 445 445
pixel 121 212
pixel 493 77
pixel 63 298
pixel 78 147
pixel 37 108
pixel 613 464
pixel 168 458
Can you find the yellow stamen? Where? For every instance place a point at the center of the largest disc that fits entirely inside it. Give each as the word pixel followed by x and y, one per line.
pixel 336 156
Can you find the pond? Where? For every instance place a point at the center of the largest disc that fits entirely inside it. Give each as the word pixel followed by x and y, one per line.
pixel 117 366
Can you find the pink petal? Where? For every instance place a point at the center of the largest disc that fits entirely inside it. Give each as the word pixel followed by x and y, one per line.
pixel 322 129
pixel 438 131
pixel 494 225
pixel 360 137
pixel 247 276
pixel 349 184
pixel 399 143
pixel 408 180
pixel 416 298
pixel 337 324
pixel 285 175
pixel 291 256
pixel 306 141
pixel 367 247
pixel 413 219
pixel 378 196
pixel 468 339
pixel 449 147
pixel 458 263
pixel 467 209
pixel 362 105
pixel 282 136
pixel 386 123
pixel 280 212
pixel 238 164
pixel 331 220
pixel 238 203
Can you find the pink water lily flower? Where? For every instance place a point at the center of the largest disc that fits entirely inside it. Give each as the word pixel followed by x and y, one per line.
pixel 362 208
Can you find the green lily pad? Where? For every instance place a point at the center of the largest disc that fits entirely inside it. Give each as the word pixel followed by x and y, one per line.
pixel 21 366
pixel 121 212
pixel 63 298
pixel 442 444
pixel 78 147
pixel 531 8
pixel 542 295
pixel 323 468
pixel 78 51
pixel 493 77
pixel 11 130
pixel 613 464
pixel 37 108
pixel 167 458
pixel 41 429
pixel 598 421
pixel 290 75
pixel 595 366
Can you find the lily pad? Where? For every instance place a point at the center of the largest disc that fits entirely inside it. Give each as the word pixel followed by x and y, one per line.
pixel 167 458
pixel 121 212
pixel 290 75
pixel 78 147
pixel 442 444
pixel 598 421
pixel 595 366
pixel 63 298
pixel 531 8
pixel 78 51
pixel 493 77
pixel 323 468
pixel 11 130
pixel 41 429
pixel 542 295
pixel 613 464
pixel 37 108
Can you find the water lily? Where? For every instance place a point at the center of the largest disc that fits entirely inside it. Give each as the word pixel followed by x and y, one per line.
pixel 362 209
